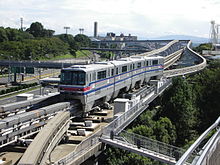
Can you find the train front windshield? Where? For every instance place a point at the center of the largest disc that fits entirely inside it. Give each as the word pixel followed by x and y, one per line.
pixel 73 77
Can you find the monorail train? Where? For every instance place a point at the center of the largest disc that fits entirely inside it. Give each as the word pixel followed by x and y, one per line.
pixel 102 81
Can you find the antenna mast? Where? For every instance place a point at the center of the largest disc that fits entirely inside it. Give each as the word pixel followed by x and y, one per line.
pixel 214 34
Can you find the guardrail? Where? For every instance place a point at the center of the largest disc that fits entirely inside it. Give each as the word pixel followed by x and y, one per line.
pixel 210 152
pixel 148 147
pixel 192 148
pixel 187 70
pixel 46 140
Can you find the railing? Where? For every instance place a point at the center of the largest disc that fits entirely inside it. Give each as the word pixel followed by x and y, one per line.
pixel 186 70
pixel 150 144
pixel 192 148
pixel 212 146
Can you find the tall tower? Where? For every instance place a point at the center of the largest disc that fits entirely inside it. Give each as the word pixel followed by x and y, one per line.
pixel 214 33
pixel 95 29
pixel 22 24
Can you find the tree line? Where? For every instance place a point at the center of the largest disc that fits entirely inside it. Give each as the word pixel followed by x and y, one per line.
pixel 38 43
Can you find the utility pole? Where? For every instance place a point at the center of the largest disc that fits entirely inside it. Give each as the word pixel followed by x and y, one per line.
pixel 65 27
pixel 81 30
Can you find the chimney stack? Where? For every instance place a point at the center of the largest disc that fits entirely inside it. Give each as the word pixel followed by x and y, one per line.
pixel 95 29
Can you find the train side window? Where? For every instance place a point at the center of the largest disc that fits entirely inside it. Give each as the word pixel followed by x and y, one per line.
pixel 116 70
pixel 139 65
pixel 146 63
pixel 155 62
pixel 101 74
pixel 109 72
pixel 112 72
pixel 87 77
pixel 131 67
pixel 124 68
pixel 93 76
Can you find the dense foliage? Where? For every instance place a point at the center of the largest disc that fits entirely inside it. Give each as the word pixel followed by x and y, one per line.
pixel 184 111
pixel 38 43
pixel 17 88
pixel 33 48
pixel 37 30
pixel 178 104
pixel 201 47
pixel 9 34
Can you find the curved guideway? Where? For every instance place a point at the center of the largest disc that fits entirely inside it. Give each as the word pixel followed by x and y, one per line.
pixel 190 69
pixel 39 150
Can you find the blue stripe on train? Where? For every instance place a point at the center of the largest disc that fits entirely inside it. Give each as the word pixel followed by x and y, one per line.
pixel 105 86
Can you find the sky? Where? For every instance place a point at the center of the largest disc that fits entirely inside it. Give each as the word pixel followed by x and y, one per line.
pixel 144 18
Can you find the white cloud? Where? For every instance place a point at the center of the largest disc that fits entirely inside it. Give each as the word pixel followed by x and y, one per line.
pixel 146 18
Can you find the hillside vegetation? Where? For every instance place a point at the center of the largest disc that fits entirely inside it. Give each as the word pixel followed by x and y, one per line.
pixel 38 43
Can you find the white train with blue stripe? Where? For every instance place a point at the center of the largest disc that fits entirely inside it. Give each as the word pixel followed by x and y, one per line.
pixel 100 82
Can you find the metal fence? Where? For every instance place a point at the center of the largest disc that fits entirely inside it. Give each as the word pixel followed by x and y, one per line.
pixel 152 145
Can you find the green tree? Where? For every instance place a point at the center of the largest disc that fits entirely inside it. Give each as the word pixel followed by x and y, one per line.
pixel 10 34
pixel 207 87
pixel 201 47
pixel 165 131
pixel 82 40
pixel 143 130
pixel 178 104
pixel 36 29
pixel 115 156
pixel 34 49
pixel 3 35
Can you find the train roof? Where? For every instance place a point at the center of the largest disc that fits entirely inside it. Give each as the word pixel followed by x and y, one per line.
pixel 110 64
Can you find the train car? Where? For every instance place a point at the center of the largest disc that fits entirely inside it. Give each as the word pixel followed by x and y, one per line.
pixel 2 124
pixel 98 83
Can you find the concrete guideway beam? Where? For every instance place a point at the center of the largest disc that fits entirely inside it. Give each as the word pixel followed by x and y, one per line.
pixel 187 70
pixel 39 150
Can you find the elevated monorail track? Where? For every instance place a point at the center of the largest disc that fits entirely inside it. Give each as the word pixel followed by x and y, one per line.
pixel 187 70
pixel 26 124
pixel 17 107
pixel 46 140
pixel 10 133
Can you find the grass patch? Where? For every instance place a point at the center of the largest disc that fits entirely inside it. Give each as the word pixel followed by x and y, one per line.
pixel 19 92
pixel 79 54
pixel 3 75
pixel 83 53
